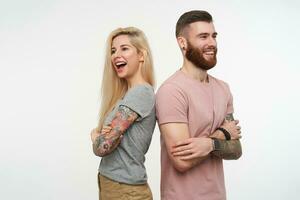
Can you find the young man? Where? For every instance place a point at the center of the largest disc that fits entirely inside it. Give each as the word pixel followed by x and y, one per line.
pixel 194 112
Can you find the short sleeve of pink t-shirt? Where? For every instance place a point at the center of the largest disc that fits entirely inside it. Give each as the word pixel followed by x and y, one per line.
pixel 171 105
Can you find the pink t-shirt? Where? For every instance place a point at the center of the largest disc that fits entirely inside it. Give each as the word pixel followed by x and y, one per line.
pixel 203 106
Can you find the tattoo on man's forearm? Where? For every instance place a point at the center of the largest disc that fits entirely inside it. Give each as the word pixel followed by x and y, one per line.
pixel 105 143
pixel 230 150
pixel 229 117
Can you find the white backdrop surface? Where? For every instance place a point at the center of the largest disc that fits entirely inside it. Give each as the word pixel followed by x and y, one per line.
pixel 51 56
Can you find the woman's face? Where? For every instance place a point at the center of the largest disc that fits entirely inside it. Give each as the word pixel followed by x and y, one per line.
pixel 125 58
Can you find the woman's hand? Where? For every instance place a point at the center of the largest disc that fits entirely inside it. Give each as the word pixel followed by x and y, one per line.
pixel 96 133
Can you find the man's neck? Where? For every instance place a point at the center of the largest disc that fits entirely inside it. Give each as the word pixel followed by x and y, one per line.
pixel 194 72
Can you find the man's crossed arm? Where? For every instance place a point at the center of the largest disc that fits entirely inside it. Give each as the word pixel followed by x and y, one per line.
pixel 229 149
pixel 186 152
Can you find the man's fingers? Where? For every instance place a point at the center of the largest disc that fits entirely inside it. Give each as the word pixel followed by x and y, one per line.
pixel 182 153
pixel 183 142
pixel 236 121
pixel 179 149
pixel 238 136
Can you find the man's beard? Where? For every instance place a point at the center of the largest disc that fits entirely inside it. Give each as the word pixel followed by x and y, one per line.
pixel 195 55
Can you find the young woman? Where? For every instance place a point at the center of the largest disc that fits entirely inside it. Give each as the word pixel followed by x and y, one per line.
pixel 127 117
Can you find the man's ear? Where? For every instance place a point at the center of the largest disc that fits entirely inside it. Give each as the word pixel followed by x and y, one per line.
pixel 182 42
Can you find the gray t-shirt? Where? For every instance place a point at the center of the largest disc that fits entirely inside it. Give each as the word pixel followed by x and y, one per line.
pixel 126 163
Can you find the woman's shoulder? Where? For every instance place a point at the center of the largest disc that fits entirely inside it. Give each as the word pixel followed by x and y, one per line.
pixel 140 99
pixel 141 89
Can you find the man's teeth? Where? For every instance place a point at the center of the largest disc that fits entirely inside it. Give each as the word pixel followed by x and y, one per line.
pixel 210 52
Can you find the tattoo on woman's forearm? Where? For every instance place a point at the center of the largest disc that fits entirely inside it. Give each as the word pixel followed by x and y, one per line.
pixel 107 142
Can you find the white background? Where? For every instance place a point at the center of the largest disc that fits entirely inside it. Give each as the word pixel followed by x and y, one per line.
pixel 51 56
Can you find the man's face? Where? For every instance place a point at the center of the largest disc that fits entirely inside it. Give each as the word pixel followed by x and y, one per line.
pixel 201 45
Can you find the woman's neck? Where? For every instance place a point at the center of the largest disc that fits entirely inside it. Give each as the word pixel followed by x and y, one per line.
pixel 135 81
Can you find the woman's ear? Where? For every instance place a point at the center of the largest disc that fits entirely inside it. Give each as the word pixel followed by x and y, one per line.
pixel 142 55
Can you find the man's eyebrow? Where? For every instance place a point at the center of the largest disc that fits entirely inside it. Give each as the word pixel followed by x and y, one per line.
pixel 202 34
pixel 206 34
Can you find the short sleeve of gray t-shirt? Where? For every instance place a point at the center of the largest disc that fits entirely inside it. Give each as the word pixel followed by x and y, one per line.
pixel 126 163
pixel 140 99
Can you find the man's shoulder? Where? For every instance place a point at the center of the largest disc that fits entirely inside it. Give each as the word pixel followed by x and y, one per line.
pixel 173 82
pixel 218 81
pixel 168 89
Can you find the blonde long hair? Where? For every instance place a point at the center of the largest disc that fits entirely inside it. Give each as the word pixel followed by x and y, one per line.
pixel 114 88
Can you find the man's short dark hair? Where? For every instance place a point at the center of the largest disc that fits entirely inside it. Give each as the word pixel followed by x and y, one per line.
pixel 191 17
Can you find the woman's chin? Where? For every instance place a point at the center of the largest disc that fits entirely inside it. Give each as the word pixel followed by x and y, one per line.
pixel 122 76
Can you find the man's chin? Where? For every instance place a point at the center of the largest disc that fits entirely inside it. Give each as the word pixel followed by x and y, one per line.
pixel 211 60
pixel 206 68
pixel 209 65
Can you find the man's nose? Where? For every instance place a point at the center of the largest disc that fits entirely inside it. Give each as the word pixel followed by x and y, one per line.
pixel 212 41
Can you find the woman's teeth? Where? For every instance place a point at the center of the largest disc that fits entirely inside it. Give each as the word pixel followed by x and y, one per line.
pixel 120 64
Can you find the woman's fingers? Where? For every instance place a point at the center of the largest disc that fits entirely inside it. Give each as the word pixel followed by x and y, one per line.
pixel 106 129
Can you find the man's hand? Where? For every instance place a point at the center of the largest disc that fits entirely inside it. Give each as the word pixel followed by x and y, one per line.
pixel 233 128
pixel 230 149
pixel 192 148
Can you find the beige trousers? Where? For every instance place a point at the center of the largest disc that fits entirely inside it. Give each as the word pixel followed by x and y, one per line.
pixel 112 190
